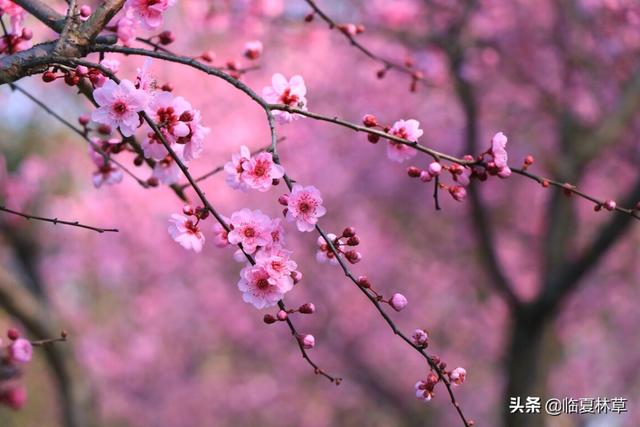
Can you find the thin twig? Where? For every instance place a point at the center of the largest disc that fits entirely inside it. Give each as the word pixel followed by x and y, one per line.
pixel 56 221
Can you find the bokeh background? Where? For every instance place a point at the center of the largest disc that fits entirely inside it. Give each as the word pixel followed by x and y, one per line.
pixel 160 336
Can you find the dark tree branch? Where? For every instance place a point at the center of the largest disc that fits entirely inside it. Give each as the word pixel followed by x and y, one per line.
pixel 56 221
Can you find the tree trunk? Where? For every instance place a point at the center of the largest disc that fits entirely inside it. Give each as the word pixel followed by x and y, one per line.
pixel 529 359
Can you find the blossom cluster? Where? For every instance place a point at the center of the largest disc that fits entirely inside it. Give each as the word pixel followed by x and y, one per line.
pixel 13 356
pixel 147 13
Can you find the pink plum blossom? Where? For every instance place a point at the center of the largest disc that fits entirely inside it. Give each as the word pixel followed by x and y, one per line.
pixel 307 341
pixel 220 235
pixel 260 171
pixel 457 376
pixel 405 129
pixel 324 253
pixel 119 105
pixel 260 288
pixel 305 207
pixel 166 110
pixel 423 392
pixel 278 262
pixel 499 152
pixel 187 233
pixel 126 28
pixel 291 93
pixel 234 169
pixel 253 49
pixel 420 338
pixel 21 350
pixel 251 229
pixel 111 64
pixel 166 171
pixel 193 141
pixel 149 12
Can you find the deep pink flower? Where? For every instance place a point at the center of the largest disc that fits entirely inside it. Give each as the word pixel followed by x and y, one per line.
pixel 292 93
pixel 260 288
pixel 15 396
pixel 119 105
pixel 251 228
pixel 260 171
pixel 305 207
pixel 186 232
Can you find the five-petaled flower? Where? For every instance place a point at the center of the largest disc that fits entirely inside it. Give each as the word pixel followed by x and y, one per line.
pixel 305 207
pixel 119 105
pixel 186 232
pixel 261 288
pixel 405 129
pixel 291 93
pixel 251 229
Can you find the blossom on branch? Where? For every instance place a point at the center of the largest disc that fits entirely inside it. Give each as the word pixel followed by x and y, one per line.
pixel 405 129
pixel 291 93
pixel 304 206
pixel 149 12
pixel 262 289
pixel 119 105
pixel 251 229
pixel 186 232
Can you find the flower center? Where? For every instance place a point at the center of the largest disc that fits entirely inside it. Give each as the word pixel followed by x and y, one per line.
pixel 287 98
pixel 262 284
pixel 120 107
pixel 304 207
pixel 249 232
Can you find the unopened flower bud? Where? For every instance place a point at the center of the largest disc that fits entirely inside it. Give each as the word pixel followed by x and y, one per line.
pixel 269 319
pixel 307 308
pixel 282 315
pixel 363 282
pixel 413 171
pixel 307 341
pixel 398 302
pixel 369 120
pixel 435 168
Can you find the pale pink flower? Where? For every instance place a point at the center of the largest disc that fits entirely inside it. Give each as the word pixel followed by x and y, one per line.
pixel 305 207
pixel 119 105
pixel 149 12
pixel 276 230
pixel 193 141
pixel 324 253
pixel 251 229
pixel 253 49
pixel 21 350
pixel 220 234
pixel 153 147
pixel 420 338
pixel 423 392
pixel 166 110
pixel 291 93
pixel 260 171
pixel 166 171
pixel 144 79
pixel 457 376
pixel 108 174
pixel 405 129
pixel 126 28
pixel 260 288
pixel 234 169
pixel 278 262
pixel 187 233
pixel 498 150
pixel 464 177
pixel 111 64
pixel 398 302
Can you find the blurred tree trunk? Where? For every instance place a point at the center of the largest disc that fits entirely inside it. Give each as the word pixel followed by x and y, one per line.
pixel 529 359
pixel 73 392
